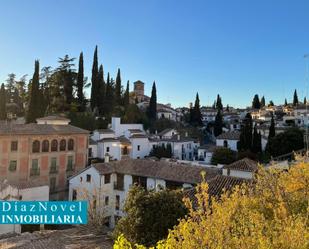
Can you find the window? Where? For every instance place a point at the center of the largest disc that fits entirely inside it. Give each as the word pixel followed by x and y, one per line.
pixel 225 143
pixel 107 149
pixel 89 152
pixel 94 203
pixel 70 163
pixel 53 165
pixel 14 146
pixel 71 144
pixel 117 202
pixel 74 195
pixel 13 165
pixel 63 145
pixel 138 147
pixel 120 182
pixel 36 146
pixel 107 178
pixel 88 178
pixel 45 146
pixel 54 145
pixel 81 179
pixel 106 200
pixel 52 183
pixel 35 170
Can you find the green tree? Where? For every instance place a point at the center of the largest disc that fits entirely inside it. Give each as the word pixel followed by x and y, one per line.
pixel 197 115
pixel 152 108
pixel 263 101
pixel 34 109
pixel 218 123
pixel 285 102
pixel 271 103
pixel 223 156
pixel 118 91
pixel 102 90
pixel 150 214
pixel 160 151
pixel 295 98
pixel 256 102
pixel 227 108
pixel 3 114
pixel 256 141
pixel 218 103
pixel 80 84
pixel 109 96
pixel 272 129
pixel 286 142
pixel 305 100
pixel 245 140
pixel 94 81
pixel 126 96
pixel 67 78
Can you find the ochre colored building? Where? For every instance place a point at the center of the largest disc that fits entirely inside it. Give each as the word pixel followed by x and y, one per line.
pixel 48 152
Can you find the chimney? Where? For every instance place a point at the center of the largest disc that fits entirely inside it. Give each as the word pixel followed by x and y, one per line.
pixel 156 132
pixel 178 137
pixel 186 134
pixel 106 158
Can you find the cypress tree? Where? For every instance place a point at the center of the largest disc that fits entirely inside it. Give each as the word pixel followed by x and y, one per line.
pixel 197 116
pixel 94 80
pixel 219 104
pixel 285 102
pixel 263 101
pixel 152 108
pixel 256 141
pixel 271 103
pixel 109 96
pixel 118 88
pixel 295 98
pixel 305 100
pixel 126 96
pixel 245 141
pixel 80 84
pixel 227 108
pixel 218 123
pixel 272 131
pixel 256 102
pixel 34 104
pixel 101 90
pixel 3 114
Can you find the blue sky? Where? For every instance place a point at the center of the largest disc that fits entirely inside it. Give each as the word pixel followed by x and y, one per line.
pixel 234 48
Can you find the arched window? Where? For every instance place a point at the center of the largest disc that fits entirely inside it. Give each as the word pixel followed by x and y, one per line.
pixel 71 144
pixel 45 146
pixel 54 145
pixel 63 145
pixel 36 146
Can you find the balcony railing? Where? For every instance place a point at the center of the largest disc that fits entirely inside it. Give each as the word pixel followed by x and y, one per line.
pixel 34 171
pixel 118 186
pixel 70 168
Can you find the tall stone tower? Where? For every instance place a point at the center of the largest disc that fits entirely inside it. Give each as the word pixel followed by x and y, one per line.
pixel 139 90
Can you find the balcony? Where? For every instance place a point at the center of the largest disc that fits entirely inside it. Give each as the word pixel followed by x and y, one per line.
pixel 53 170
pixel 34 171
pixel 118 186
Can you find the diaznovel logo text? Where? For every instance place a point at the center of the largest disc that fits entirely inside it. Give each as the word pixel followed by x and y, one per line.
pixel 43 212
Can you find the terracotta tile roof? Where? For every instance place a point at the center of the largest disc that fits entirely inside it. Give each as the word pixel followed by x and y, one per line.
pixel 21 185
pixel 164 132
pixel 135 130
pixel 54 117
pixel 124 140
pixel 217 186
pixel 109 139
pixel 231 135
pixel 105 131
pixel 245 164
pixel 139 136
pixel 157 169
pixel 39 129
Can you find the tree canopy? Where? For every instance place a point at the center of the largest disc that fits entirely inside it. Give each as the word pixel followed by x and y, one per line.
pixel 273 213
